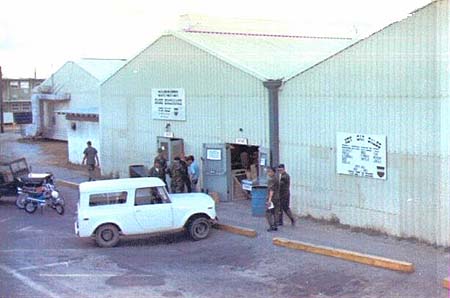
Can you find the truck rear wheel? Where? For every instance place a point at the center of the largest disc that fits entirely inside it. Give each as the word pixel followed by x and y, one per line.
pixel 107 235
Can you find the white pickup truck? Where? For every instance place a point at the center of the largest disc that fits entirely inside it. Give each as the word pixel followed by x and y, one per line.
pixel 108 209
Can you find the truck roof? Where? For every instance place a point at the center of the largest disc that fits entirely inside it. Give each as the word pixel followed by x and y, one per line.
pixel 120 184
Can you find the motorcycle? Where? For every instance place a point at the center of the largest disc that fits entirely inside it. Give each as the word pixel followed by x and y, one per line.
pixel 48 196
pixel 30 184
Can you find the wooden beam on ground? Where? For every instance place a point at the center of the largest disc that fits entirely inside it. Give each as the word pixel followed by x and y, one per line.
pixel 67 183
pixel 445 283
pixel 346 255
pixel 237 230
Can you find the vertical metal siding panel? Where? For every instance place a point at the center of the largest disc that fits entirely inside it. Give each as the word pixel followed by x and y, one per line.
pixel 396 103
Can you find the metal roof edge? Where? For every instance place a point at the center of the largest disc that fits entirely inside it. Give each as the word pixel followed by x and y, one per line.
pixel 361 40
pixel 247 70
pixel 132 59
pixel 99 81
pixel 50 77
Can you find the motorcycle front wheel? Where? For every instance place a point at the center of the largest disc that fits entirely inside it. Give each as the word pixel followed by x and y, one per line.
pixel 59 209
pixel 20 201
pixel 30 207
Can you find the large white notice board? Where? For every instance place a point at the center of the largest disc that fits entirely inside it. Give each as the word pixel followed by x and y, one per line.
pixel 361 155
pixel 168 104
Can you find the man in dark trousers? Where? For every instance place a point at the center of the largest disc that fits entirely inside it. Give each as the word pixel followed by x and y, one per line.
pixel 273 200
pixel 91 159
pixel 285 183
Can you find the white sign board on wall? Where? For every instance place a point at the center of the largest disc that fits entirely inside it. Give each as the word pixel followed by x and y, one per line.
pixel 361 155
pixel 168 104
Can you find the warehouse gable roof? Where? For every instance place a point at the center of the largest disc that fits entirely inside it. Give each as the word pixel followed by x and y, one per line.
pixel 101 69
pixel 361 41
pixel 265 56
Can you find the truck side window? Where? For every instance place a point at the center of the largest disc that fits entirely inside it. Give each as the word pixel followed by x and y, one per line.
pixel 146 196
pixel 111 198
pixel 151 195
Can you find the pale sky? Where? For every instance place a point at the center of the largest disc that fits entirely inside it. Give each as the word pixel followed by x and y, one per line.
pixel 42 35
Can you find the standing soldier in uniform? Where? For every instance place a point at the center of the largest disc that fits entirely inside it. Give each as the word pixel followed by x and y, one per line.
pixel 91 159
pixel 273 200
pixel 157 171
pixel 161 158
pixel 185 174
pixel 285 182
pixel 176 173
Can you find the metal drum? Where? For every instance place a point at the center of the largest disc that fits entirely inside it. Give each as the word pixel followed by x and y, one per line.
pixel 259 195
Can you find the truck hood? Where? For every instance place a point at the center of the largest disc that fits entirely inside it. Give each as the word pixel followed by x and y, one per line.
pixel 192 199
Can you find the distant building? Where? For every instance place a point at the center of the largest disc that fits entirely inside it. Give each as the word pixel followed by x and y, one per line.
pixel 16 95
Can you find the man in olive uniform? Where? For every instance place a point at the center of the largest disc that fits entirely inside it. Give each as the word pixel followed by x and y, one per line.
pixel 161 158
pixel 157 171
pixel 177 175
pixel 273 200
pixel 285 182
pixel 91 159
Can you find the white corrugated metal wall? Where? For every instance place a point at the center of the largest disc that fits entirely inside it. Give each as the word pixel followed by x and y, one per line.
pixel 84 91
pixel 393 83
pixel 220 99
pixel 77 139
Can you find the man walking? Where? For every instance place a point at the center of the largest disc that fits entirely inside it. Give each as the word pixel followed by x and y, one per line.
pixel 91 159
pixel 285 183
pixel 273 200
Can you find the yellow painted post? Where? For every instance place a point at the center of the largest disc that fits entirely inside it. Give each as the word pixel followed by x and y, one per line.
pixel 346 255
pixel 237 230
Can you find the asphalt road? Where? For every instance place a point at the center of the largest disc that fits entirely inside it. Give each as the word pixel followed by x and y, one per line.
pixel 40 256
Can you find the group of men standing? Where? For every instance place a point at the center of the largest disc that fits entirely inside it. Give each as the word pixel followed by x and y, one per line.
pixel 183 172
pixel 278 197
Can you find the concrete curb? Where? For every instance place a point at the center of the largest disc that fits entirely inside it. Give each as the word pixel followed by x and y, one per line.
pixel 236 230
pixel 445 283
pixel 67 183
pixel 347 255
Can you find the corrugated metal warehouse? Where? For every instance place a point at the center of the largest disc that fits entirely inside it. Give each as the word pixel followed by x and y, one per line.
pixel 65 106
pixel 393 85
pixel 330 109
pixel 221 76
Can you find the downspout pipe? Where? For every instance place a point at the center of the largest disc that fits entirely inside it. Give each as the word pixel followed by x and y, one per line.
pixel 273 86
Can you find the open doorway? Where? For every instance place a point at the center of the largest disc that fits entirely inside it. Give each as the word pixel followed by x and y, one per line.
pixel 226 165
pixel 244 166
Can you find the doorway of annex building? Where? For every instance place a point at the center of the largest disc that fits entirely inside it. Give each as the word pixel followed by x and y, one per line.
pixel 171 147
pixel 226 165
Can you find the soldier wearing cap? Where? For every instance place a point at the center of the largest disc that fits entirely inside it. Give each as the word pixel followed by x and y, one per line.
pixel 284 192
pixel 273 200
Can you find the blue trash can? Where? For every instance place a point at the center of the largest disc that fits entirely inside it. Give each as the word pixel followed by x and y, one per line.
pixel 259 195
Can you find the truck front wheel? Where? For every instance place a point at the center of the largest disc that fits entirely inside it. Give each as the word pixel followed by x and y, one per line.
pixel 199 228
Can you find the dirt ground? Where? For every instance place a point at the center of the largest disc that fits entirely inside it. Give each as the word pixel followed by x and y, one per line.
pixel 50 152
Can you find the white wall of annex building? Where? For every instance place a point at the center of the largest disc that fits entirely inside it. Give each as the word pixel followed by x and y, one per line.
pixel 85 131
pixel 84 93
pixel 394 83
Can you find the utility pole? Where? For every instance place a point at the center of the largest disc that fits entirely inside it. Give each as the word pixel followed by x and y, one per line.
pixel 1 102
